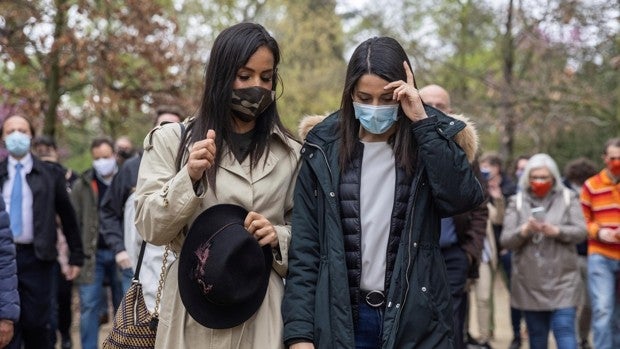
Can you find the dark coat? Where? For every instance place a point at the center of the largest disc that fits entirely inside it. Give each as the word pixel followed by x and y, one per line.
pixel 418 314
pixel 9 297
pixel 113 204
pixel 49 198
pixel 471 230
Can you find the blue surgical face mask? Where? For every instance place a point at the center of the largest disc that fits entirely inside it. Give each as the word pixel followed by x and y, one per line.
pixel 17 143
pixel 376 119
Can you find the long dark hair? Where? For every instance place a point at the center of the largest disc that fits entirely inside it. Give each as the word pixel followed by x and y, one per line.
pixel 231 50
pixel 383 57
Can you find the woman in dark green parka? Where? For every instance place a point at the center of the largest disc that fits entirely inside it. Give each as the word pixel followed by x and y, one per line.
pixel 365 269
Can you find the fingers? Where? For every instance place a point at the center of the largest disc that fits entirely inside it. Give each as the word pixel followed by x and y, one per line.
pixel 250 220
pixel 402 92
pixel 211 134
pixel 202 156
pixel 262 230
pixel 72 273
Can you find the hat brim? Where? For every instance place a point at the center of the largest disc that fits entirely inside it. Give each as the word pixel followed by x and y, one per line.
pixel 206 313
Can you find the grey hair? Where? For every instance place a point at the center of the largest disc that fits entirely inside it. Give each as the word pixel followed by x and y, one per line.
pixel 537 161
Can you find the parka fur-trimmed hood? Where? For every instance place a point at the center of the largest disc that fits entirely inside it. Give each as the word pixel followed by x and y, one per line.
pixel 307 123
pixel 466 138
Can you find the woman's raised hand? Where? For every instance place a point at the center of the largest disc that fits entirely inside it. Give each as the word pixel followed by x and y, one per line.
pixel 201 156
pixel 408 96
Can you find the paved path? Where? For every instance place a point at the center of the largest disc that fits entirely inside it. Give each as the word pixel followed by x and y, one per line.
pixel 503 329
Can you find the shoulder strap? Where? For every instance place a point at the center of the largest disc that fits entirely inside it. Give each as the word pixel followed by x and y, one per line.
pixel 566 194
pixel 136 274
pixel 519 200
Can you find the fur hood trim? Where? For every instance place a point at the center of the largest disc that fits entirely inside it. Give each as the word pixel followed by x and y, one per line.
pixel 467 138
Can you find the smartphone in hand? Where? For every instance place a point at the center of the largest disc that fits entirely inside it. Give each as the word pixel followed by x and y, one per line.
pixel 538 213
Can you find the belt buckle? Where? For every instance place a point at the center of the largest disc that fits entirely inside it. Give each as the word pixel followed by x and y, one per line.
pixel 375 299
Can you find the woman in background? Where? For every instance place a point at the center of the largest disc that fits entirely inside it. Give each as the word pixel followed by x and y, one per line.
pixel 542 226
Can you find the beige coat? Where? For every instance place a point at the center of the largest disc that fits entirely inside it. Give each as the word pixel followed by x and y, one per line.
pixel 166 202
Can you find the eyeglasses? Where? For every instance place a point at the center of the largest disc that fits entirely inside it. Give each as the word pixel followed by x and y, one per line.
pixel 540 178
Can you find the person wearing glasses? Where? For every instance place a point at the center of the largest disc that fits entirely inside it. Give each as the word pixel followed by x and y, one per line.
pixel 542 225
pixel 600 199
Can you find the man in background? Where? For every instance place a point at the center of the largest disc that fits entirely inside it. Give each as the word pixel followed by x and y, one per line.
pixel 462 236
pixel 35 192
pixel 86 195
pixel 44 147
pixel 600 201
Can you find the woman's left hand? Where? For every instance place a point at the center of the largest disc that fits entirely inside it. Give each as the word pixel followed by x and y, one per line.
pixel 408 96
pixel 261 229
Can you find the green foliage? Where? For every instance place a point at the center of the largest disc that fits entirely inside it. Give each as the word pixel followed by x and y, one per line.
pixel 312 68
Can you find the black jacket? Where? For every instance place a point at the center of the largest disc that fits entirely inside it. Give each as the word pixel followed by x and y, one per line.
pixel 113 204
pixel 49 197
pixel 316 305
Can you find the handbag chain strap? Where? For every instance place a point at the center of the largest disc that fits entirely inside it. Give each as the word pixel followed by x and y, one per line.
pixel 160 287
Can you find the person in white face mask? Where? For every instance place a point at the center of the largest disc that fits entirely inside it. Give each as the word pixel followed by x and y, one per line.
pixel 35 194
pixel 86 196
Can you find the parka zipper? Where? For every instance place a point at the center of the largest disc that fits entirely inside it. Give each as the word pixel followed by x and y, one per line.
pixel 331 175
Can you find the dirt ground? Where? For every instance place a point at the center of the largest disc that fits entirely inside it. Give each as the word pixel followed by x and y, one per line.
pixel 501 340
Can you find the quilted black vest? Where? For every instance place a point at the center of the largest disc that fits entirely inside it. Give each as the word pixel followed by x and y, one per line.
pixel 349 190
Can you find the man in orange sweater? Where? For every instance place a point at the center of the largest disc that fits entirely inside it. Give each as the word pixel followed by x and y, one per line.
pixel 600 200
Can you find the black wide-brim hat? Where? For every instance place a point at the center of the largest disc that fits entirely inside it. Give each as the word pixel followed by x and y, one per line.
pixel 223 271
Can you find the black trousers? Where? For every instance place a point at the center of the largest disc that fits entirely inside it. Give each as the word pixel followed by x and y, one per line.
pixel 457 267
pixel 34 281
pixel 60 314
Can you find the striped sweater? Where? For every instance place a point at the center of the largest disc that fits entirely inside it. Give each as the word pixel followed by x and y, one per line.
pixel 600 201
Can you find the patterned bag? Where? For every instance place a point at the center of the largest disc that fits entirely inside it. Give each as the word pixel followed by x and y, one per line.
pixel 134 327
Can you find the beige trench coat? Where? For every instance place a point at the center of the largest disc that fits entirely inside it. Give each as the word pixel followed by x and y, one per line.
pixel 166 202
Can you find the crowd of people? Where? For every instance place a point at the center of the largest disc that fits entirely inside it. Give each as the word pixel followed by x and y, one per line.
pixel 368 230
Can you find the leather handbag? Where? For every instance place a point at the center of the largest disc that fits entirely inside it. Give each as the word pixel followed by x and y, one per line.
pixel 134 326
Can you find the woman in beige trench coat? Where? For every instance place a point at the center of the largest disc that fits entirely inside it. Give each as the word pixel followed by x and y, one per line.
pixel 235 151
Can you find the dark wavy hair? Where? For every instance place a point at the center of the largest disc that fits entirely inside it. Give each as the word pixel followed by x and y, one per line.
pixel 579 170
pixel 231 50
pixel 383 57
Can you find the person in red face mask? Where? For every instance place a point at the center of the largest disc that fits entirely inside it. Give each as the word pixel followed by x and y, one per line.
pixel 600 199
pixel 542 225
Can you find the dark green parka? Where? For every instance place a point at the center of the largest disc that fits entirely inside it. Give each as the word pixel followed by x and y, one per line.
pixel 418 313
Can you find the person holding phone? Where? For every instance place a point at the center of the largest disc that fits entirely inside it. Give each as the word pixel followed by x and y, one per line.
pixel 542 225
pixel 365 266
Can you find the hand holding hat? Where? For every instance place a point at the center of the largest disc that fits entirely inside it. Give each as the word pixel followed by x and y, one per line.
pixel 262 229
pixel 223 271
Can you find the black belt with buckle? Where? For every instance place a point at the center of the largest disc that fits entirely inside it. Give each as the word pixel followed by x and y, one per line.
pixel 375 298
pixel 23 247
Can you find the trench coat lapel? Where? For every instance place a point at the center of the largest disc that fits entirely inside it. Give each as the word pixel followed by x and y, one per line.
pixel 230 164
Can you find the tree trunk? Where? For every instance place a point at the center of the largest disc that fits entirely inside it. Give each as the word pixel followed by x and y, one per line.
pixel 52 84
pixel 508 115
